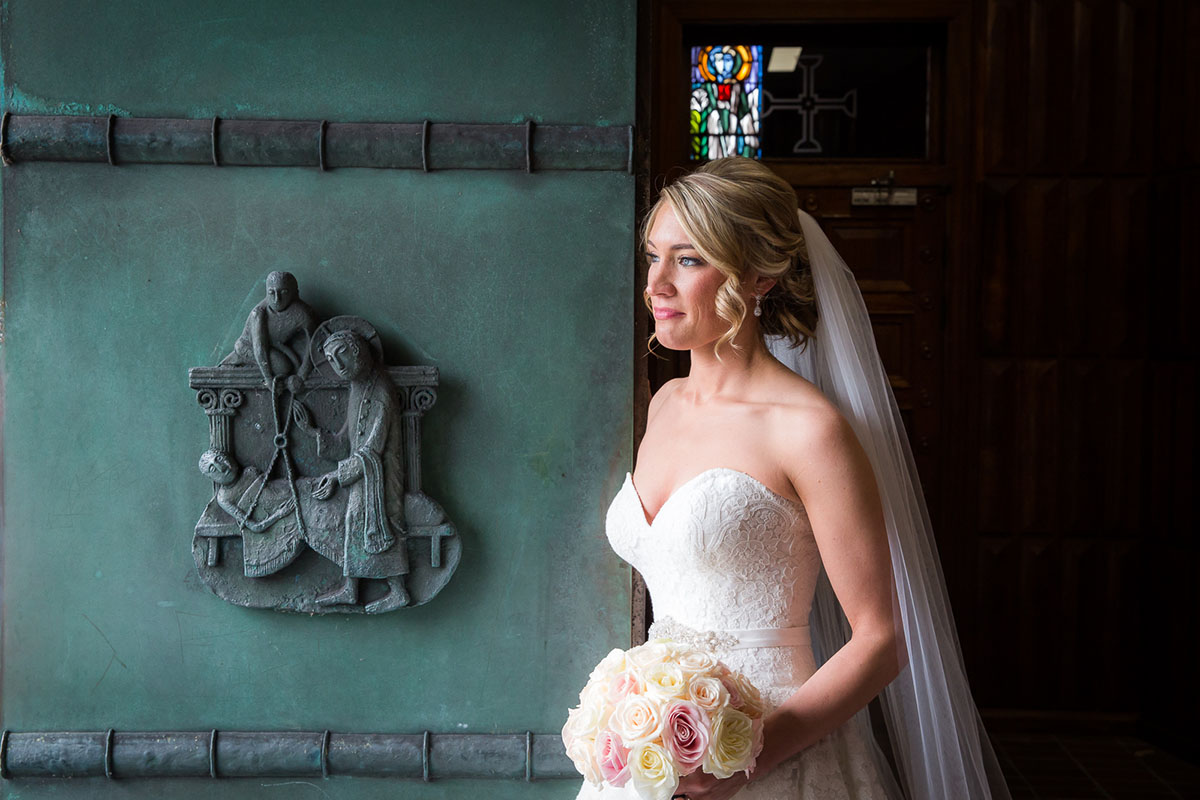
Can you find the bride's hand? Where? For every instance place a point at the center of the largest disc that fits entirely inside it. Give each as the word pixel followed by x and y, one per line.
pixel 702 786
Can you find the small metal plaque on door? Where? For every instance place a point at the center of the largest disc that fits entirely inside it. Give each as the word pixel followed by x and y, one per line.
pixel 883 196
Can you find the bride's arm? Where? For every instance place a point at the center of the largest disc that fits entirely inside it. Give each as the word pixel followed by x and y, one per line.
pixel 831 473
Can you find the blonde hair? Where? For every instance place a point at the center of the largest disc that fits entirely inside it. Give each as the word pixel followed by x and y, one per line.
pixel 741 217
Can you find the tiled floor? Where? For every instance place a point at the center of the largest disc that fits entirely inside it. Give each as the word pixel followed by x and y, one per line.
pixel 1118 767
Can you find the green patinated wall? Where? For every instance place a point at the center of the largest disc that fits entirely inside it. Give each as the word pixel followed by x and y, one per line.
pixel 116 280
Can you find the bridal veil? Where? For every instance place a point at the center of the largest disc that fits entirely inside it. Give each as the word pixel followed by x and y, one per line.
pixel 937 740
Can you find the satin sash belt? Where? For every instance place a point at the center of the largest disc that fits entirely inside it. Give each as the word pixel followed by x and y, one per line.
pixel 668 628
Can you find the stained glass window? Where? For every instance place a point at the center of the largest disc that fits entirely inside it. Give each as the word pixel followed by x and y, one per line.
pixel 814 91
pixel 726 101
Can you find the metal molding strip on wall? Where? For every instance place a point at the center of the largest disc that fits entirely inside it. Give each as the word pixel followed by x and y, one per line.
pixel 316 143
pixel 269 754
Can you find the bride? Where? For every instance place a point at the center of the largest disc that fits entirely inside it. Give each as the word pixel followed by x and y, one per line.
pixel 768 497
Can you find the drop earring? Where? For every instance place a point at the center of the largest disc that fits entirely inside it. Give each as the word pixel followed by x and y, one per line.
pixel 758 305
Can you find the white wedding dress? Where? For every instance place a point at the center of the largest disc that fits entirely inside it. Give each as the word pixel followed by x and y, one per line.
pixel 727 554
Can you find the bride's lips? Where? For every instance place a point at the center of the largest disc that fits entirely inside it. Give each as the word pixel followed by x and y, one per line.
pixel 666 313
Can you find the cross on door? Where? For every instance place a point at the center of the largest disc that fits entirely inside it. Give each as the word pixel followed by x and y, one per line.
pixel 808 103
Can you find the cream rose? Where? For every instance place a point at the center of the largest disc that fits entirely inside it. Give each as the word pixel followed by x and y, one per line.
pixel 732 745
pixel 638 719
pixel 708 693
pixel 695 662
pixel 665 681
pixel 652 773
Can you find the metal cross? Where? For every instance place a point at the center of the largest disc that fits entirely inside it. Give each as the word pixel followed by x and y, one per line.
pixel 808 103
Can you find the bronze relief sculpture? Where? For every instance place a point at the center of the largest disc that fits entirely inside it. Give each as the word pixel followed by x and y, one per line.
pixel 315 458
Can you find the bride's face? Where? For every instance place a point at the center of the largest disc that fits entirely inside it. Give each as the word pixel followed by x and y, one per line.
pixel 682 287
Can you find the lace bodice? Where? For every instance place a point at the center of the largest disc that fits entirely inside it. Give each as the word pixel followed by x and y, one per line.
pixel 725 552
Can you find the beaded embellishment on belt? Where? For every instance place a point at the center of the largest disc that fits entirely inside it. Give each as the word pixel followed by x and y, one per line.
pixel 668 628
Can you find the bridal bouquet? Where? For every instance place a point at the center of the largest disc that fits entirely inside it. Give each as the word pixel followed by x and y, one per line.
pixel 654 713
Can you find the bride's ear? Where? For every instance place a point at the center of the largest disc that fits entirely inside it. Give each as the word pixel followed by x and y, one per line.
pixel 762 284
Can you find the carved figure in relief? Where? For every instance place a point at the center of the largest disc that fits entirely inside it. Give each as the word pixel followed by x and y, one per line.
pixel 277 332
pixel 262 509
pixel 373 475
pixel 315 457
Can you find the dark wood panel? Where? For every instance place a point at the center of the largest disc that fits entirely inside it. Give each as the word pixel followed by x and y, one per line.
pixel 1023 250
pixel 1020 447
pixel 879 251
pixel 1121 268
pixel 1132 100
pixel 1100 488
pixel 1173 279
pixel 1004 75
pixel 1065 86
pixel 1051 86
pixel 1055 623
pixel 894 338
pixel 1178 142
pixel 991 653
pixel 1172 464
pixel 1060 258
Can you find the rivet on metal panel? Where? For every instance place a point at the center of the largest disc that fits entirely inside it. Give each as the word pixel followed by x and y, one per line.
pixel 425 146
pixel 8 162
pixel 4 736
pixel 216 158
pixel 108 140
pixel 108 748
pixel 529 146
pixel 212 754
pixel 321 152
pixel 529 756
pixel 425 757
pixel 325 754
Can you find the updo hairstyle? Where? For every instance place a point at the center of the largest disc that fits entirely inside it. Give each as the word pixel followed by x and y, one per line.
pixel 741 217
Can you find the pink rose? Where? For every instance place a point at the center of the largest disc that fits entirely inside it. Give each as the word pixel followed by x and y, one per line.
pixel 735 697
pixel 613 757
pixel 686 734
pixel 622 686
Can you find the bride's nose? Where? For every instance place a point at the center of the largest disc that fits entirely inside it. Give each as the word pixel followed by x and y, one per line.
pixel 657 281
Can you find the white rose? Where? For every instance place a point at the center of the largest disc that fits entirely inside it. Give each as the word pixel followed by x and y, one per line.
pixel 646 655
pixel 732 745
pixel 582 755
pixel 609 666
pixel 664 680
pixel 586 720
pixel 652 772
pixel 708 693
pixel 637 719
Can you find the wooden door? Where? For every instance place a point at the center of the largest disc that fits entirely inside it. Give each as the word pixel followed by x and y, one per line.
pixel 905 251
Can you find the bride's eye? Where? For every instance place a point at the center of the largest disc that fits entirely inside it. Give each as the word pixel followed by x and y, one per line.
pixel 690 261
pixel 652 258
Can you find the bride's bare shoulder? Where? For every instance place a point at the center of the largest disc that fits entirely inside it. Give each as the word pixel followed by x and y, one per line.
pixel 664 393
pixel 803 418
